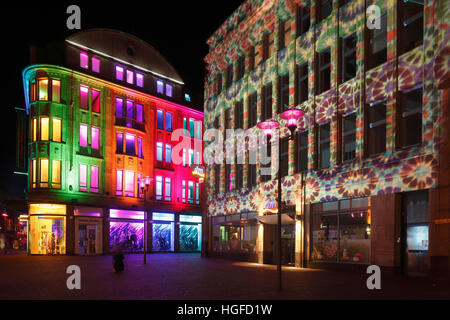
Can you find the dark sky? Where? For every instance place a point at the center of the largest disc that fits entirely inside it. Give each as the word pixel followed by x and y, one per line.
pixel 177 29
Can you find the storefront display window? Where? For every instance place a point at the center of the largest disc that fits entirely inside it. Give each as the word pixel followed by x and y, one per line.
pixel 163 231
pixel 127 236
pixel 325 237
pixel 190 233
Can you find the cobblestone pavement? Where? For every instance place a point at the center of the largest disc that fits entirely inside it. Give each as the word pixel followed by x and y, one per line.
pixel 188 276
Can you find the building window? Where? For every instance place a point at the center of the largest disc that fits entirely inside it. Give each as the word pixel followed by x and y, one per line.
pixel 94 179
pixel 239 116
pixel 130 76
pixel 301 163
pixel 83 135
pixel 284 93
pixel 302 83
pixel 199 130
pixel 34 129
pixel 410 33
pixel 285 34
pixel 168 189
pixel 284 157
pixel 252 170
pixel 268 45
pixel 119 107
pixel 83 178
pixel 119 182
pixel 95 138
pixel 255 56
pixel 191 191
pixel 130 144
pixel 324 71
pixel 160 87
pixel 160 119
pixel 84 60
pixel 56 90
pixel 191 157
pixel 43 173
pixel 324 9
pixel 377 128
pixel 33 173
pixel 169 90
pixel 183 191
pixel 227 122
pixel 119 143
pixel 410 118
pixel 95 101
pixel 324 146
pixel 217 178
pixel 56 174
pixel 139 112
pixel 377 48
pixel 129 183
pixel 191 127
pixel 95 64
pixel 45 129
pixel 139 79
pixel 348 55
pixel 267 102
pixel 240 67
pixel 229 79
pixel 228 177
pixel 56 123
pixel 197 193
pixel 253 110
pixel 266 177
pixel 43 89
pixel 168 121
pixel 349 136
pixel 303 19
pixel 84 97
pixel 239 176
pixel 219 84
pixel 140 148
pixel 119 73
pixel 159 151
pixel 168 153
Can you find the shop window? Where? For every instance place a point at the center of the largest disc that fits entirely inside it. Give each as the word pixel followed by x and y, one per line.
pixel 377 48
pixel 56 124
pixel 183 191
pixel 119 182
pixel 160 87
pixel 349 136
pixel 302 83
pixel 267 102
pixel 159 151
pixel 268 41
pixel 267 166
pixel 43 89
pixel 303 19
pixel 168 189
pixel 139 79
pixel 84 60
pixel 239 116
pixel 130 77
pixel 119 143
pixel 283 96
pixel 83 178
pixel 56 174
pixel 47 233
pixel 119 73
pixel 253 110
pixel 128 236
pixel 95 138
pixel 160 119
pixel 324 71
pixel 159 188
pixel 324 146
pixel 84 97
pixel 95 64
pixel 191 192
pixel 83 135
pixel 130 144
pixel 45 129
pixel 163 234
pixel 168 121
pixel 284 157
pixel 410 118
pixel 240 67
pixel 119 107
pixel 94 179
pixel 323 9
pixel 169 90
pixel 377 128
pixel 348 56
pixel 228 177
pixel 302 151
pixel 285 34
pixel 229 78
pixel 56 90
pixel 410 32
pixel 95 101
pixel 129 183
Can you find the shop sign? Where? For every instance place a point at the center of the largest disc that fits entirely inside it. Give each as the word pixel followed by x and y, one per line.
pixel 270 207
pixel 199 172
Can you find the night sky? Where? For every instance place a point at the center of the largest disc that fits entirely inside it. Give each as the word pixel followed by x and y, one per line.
pixel 177 29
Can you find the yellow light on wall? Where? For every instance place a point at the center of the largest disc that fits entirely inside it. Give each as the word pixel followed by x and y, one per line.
pixel 46 208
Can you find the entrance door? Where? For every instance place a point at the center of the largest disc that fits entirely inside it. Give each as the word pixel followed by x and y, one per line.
pixel 89 237
pixel 287 244
pixel 415 228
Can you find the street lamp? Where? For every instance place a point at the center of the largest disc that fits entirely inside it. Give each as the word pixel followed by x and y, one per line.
pixel 292 117
pixel 5 215
pixel 144 184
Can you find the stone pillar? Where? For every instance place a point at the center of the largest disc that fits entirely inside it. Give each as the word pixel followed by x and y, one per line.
pixel 105 220
pixel 70 231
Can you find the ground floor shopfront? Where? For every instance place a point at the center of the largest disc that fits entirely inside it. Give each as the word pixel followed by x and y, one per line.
pixel 394 231
pixel 66 229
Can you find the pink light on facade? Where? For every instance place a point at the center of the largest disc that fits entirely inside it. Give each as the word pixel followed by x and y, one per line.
pixel 95 137
pixel 292 116
pixel 119 73
pixel 83 135
pixel 5 215
pixel 268 126
pixel 84 60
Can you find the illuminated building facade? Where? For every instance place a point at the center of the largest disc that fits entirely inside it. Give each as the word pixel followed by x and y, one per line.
pixel 364 180
pixel 98 127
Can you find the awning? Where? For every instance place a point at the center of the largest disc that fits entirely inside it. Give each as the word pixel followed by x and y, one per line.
pixel 273 219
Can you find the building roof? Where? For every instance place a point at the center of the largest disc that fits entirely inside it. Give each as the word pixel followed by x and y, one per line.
pixel 125 47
